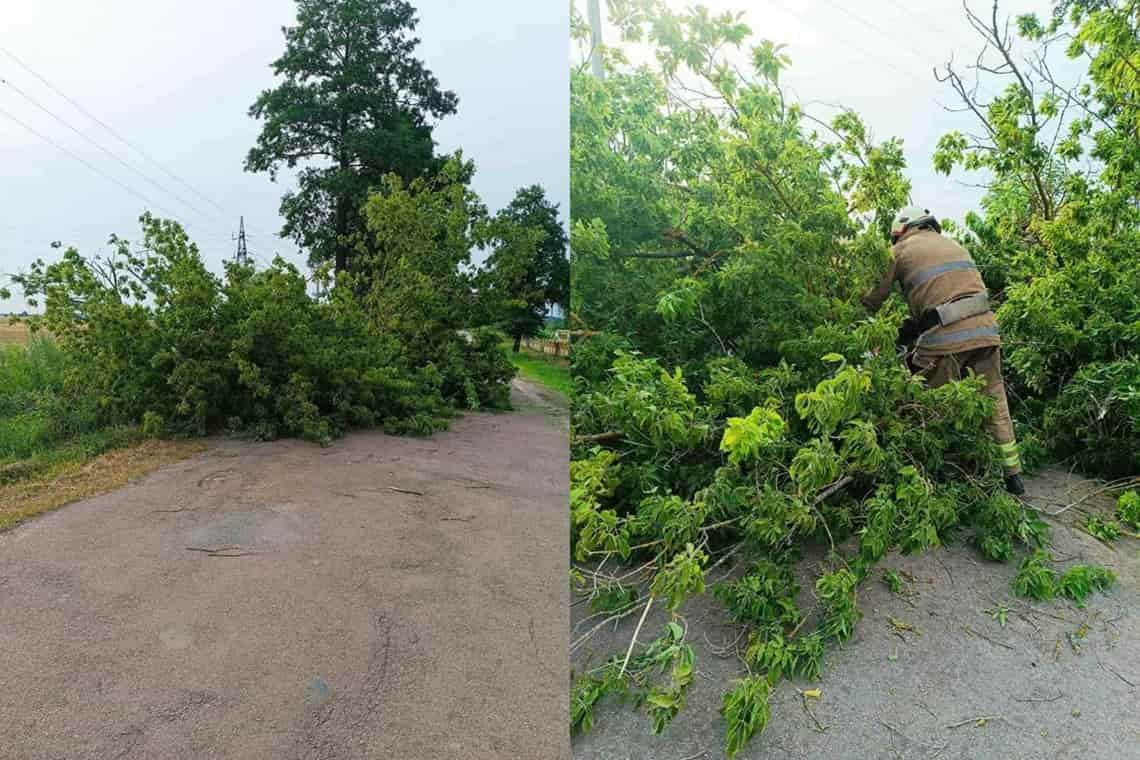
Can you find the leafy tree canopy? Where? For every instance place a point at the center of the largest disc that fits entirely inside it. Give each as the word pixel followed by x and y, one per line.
pixel 353 105
pixel 528 269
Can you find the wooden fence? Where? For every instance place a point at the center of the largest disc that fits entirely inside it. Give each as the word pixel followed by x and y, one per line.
pixel 558 346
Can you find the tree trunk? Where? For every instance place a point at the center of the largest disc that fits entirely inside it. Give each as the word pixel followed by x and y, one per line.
pixel 518 342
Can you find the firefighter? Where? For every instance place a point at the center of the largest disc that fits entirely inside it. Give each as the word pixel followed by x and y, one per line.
pixel 950 324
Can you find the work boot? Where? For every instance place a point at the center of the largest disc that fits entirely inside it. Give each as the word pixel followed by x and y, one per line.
pixel 1014 485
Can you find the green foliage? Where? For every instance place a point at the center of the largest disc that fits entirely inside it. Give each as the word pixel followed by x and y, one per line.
pixel 778 655
pixel 611 597
pixel 1079 581
pixel 663 702
pixel 721 244
pixel 640 679
pixel 527 268
pixel 352 105
pixel 892 580
pixel 152 424
pixel 37 411
pixel 1002 521
pixel 591 357
pixel 1035 579
pixel 681 577
pixel 764 598
pixel 1060 226
pixel 589 691
pixel 593 528
pixel 675 522
pixel 745 437
pixel 746 711
pixel 147 335
pixel 1128 509
pixel 836 593
pixel 1102 529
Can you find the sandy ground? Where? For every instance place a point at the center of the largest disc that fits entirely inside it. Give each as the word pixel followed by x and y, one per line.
pixel 334 618
pixel 1055 682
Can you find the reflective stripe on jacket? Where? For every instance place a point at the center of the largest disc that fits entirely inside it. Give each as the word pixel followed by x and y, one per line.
pixel 934 270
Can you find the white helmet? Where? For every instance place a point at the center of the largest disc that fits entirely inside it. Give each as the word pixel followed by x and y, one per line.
pixel 910 216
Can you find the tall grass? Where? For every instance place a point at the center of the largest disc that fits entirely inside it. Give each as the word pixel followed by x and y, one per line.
pixel 37 419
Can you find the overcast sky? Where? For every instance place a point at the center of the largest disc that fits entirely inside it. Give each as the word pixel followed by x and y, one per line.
pixel 176 79
pixel 876 57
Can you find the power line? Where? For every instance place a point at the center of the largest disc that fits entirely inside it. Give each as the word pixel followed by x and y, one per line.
pixel 811 23
pixel 925 18
pixel 875 28
pixel 110 129
pixel 92 167
pixel 105 150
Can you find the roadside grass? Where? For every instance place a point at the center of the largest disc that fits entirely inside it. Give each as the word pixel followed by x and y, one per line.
pixel 71 479
pixel 550 371
pixel 33 418
pixel 52 451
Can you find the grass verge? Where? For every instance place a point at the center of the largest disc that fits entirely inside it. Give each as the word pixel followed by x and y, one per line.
pixel 68 480
pixel 550 371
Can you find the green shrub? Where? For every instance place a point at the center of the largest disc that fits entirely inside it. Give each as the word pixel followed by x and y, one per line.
pixel 1105 530
pixel 1035 579
pixel 1079 581
pixel 1128 509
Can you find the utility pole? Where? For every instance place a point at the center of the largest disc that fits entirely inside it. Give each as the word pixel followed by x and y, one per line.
pixel 242 255
pixel 596 40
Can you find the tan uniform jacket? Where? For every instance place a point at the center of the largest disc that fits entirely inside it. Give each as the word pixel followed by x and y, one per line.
pixel 934 270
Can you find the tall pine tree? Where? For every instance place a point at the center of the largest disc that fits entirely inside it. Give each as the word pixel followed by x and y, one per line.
pixel 353 104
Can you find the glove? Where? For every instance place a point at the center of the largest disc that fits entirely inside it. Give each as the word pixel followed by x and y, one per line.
pixel 909 331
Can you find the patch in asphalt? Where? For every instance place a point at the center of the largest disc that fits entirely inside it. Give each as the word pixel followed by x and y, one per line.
pixel 261 528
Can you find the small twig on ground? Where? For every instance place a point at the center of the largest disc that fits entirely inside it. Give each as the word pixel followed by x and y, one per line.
pixel 724 558
pixel 1029 608
pixel 1040 699
pixel 979 634
pixel 614 618
pixel 405 490
pixel 457 519
pixel 944 567
pixel 702 753
pixel 1118 484
pixel 935 747
pixel 221 551
pixel 1113 670
pixel 633 641
pixel 730 649
pixel 818 726
pixel 171 511
pixel 979 720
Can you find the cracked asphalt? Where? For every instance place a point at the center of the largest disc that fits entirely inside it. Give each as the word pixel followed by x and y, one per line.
pixel 278 600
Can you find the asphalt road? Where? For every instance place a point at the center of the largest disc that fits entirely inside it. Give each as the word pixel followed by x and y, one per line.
pixel 278 600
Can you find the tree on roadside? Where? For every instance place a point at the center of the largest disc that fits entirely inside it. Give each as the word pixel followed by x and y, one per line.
pixel 353 105
pixel 528 269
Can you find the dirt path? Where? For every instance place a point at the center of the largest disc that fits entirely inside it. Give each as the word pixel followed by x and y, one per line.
pixel 1055 682
pixel 348 620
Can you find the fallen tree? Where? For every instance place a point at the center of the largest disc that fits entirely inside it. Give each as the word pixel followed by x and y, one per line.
pixel 736 403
